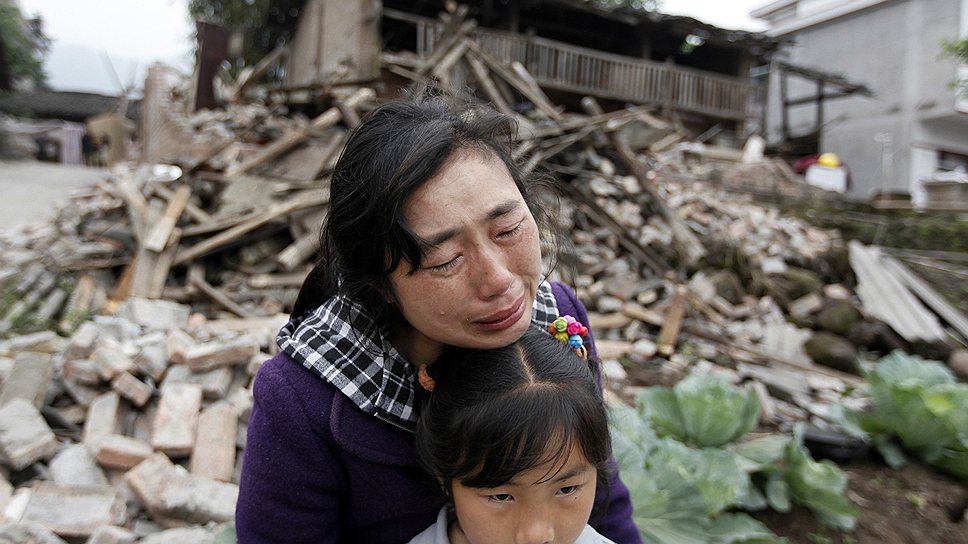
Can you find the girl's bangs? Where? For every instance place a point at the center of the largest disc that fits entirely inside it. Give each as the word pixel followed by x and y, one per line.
pixel 543 438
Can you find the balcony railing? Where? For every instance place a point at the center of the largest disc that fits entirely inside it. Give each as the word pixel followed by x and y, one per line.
pixel 557 65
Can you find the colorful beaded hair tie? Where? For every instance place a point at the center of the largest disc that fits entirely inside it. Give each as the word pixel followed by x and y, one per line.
pixel 570 332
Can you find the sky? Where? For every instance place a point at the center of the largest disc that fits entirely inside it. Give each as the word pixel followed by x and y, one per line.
pixel 95 39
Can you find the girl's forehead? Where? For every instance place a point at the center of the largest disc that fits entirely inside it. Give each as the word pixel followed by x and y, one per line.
pixel 557 465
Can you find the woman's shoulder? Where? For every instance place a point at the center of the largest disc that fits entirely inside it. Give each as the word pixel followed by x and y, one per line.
pixel 568 301
pixel 288 383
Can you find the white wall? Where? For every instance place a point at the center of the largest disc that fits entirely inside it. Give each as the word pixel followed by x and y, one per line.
pixel 893 48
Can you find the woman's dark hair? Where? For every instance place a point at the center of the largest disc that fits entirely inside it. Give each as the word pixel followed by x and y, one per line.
pixel 495 413
pixel 394 150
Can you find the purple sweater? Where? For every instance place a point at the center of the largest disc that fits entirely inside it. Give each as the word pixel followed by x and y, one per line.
pixel 318 469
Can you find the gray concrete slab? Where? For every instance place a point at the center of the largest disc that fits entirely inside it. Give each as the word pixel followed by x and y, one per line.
pixel 31 191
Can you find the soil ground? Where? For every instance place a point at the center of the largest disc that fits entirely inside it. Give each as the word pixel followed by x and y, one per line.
pixel 912 505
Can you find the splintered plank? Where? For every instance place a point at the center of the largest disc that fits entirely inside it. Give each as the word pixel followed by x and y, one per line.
pixel 324 120
pixel 305 199
pixel 159 235
pixel 487 84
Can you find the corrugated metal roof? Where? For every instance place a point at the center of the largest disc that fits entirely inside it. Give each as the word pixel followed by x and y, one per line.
pixel 886 297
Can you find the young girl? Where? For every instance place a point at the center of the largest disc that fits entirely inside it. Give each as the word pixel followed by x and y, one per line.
pixel 518 439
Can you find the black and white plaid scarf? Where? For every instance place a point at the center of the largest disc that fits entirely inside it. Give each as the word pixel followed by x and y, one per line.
pixel 368 370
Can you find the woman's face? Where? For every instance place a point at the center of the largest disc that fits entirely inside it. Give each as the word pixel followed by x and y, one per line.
pixel 477 282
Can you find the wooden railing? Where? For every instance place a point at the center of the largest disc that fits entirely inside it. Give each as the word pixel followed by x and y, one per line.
pixel 557 65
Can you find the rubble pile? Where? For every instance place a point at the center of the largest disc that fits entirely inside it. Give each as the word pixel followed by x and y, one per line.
pixel 133 323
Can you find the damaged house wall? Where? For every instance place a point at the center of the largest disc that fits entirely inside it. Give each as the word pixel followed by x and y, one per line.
pixel 891 140
pixel 573 49
pixel 335 42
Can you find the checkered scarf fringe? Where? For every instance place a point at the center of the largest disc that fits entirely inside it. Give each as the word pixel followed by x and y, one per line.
pixel 368 370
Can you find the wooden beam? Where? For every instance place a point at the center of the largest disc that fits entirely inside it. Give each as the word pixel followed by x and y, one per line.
pixel 295 137
pixel 536 95
pixel 193 211
pixel 585 201
pixel 689 246
pixel 443 48
pixel 250 74
pixel 557 147
pixel 135 204
pixel 540 101
pixel 158 236
pixel 303 200
pixel 487 85
pixel 669 334
pixel 196 278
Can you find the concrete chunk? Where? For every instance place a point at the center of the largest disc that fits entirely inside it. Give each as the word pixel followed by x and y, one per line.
pixel 82 342
pixel 131 388
pixel 806 305
pixel 122 452
pixel 177 343
pixel 6 493
pixel 109 534
pixel 215 354
pixel 74 465
pixel 111 359
pixel 27 532
pixel 6 367
pixel 102 420
pixel 43 342
pixel 181 535
pixel 24 435
pixel 215 383
pixel 170 491
pixel 75 512
pixel 29 379
pixel 241 399
pixel 82 371
pixel 214 453
pixel 154 315
pixel 81 393
pixel 173 431
pixel 152 357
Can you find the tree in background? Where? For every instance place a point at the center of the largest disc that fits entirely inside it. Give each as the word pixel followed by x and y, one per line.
pixel 650 5
pixel 265 24
pixel 958 50
pixel 22 49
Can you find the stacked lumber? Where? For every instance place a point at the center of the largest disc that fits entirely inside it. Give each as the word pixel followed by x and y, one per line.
pixel 132 324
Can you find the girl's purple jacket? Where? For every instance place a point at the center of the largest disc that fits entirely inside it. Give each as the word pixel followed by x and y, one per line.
pixel 317 469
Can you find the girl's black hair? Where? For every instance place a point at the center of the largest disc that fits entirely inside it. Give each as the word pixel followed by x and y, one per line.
pixel 495 413
pixel 394 150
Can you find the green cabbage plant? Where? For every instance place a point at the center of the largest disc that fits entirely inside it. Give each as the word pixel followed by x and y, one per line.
pixel 680 495
pixel 703 411
pixel 919 404
pixel 685 487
